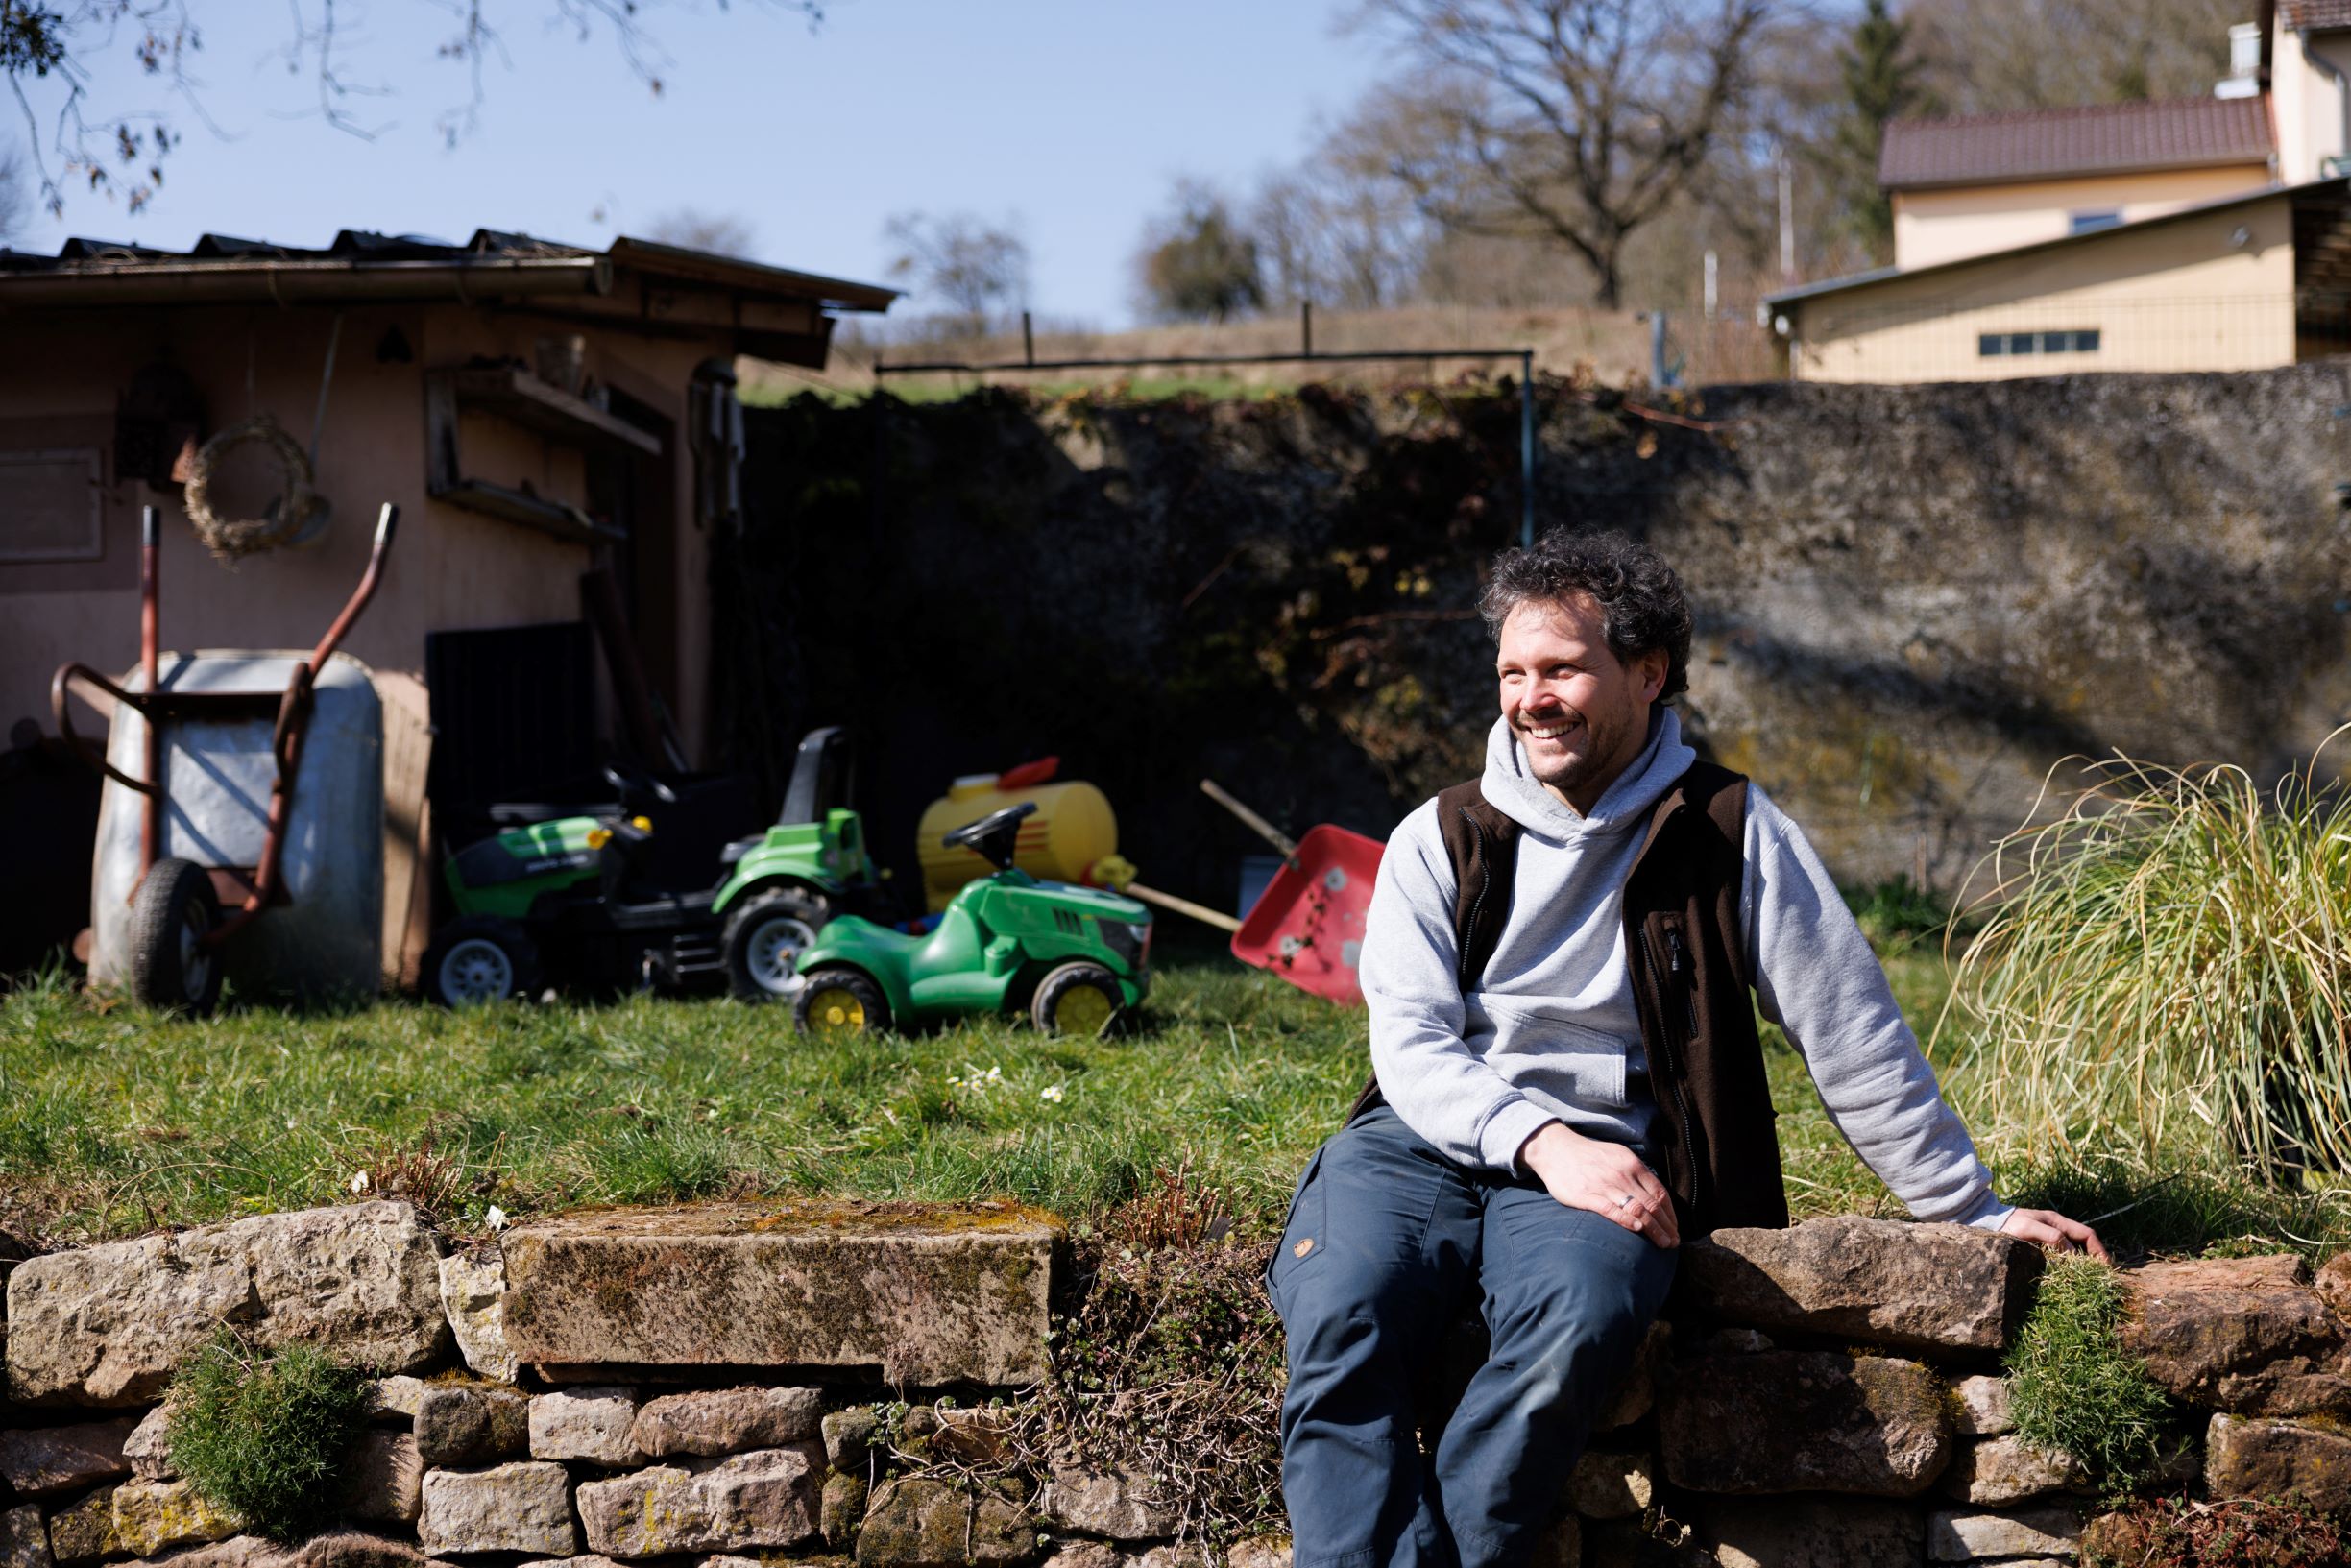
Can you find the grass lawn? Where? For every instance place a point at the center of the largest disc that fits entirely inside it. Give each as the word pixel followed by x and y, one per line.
pixel 113 1121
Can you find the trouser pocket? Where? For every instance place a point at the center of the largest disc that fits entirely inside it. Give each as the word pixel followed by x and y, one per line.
pixel 1302 1230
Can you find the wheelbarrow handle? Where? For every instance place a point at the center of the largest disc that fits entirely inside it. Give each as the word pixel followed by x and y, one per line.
pixel 58 686
pixel 1256 824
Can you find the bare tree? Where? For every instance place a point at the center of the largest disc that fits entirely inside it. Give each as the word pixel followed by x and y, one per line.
pixel 1337 231
pixel 13 202
pixel 1987 57
pixel 1576 120
pixel 49 49
pixel 961 260
pixel 722 233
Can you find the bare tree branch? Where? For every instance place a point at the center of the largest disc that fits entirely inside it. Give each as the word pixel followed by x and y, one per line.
pixel 1577 120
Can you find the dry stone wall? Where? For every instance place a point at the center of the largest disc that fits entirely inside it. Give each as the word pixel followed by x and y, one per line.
pixel 1910 601
pixel 712 1383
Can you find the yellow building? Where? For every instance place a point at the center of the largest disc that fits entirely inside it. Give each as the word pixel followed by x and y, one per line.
pixel 2190 234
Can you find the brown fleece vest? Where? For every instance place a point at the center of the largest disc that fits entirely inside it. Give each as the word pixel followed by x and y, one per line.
pixel 1716 1139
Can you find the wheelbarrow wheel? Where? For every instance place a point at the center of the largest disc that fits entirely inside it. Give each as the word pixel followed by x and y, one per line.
pixel 839 1000
pixel 1078 1000
pixel 170 966
pixel 764 939
pixel 477 959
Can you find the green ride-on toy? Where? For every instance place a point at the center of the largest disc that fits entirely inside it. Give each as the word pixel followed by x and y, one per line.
pixel 581 902
pixel 1077 957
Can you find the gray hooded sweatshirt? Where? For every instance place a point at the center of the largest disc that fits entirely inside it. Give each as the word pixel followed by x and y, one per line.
pixel 1551 1032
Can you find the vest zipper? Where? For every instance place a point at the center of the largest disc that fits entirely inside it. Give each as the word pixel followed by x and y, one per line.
pixel 1660 973
pixel 1689 991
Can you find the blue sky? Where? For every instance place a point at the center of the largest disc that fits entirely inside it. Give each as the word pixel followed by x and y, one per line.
pixel 1072 116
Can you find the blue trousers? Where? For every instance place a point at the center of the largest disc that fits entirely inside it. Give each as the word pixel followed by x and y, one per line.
pixel 1386 1244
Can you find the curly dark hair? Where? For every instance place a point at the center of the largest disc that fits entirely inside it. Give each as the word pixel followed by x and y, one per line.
pixel 1642 607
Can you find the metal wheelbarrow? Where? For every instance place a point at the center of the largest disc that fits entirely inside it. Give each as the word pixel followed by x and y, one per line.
pixel 237 723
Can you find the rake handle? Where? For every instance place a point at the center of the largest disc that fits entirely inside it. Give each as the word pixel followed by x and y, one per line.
pixel 1184 906
pixel 1256 824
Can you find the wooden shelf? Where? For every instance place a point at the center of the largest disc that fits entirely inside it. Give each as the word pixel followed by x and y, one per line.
pixel 517 394
pixel 530 511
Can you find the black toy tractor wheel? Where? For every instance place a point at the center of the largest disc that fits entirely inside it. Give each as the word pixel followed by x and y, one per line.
pixel 1078 1000
pixel 169 965
pixel 766 935
pixel 479 958
pixel 839 1000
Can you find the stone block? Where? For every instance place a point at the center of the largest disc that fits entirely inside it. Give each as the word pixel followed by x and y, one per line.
pixel 850 1436
pixel 472 1287
pixel 236 1552
pixel 1814 1532
pixel 384 1478
pixel 1635 1394
pixel 1883 1282
pixel 152 1516
pixel 593 1560
pixel 24 1540
pixel 2252 1456
pixel 921 1522
pixel 148 1448
pixel 109 1325
pixel 523 1506
pixel 1118 1504
pixel 1259 1551
pixel 1798 1421
pixel 772 1498
pixel 2047 1531
pixel 460 1426
pixel 395 1399
pixel 84 1532
pixel 710 1422
pixel 41 1462
pixel 591 1422
pixel 1089 1555
pixel 928 1293
pixel 1605 1485
pixel 2244 1335
pixel 2002 1470
pixel 842 1509
pixel 1979 1407
pixel 2333 1285
pixel 356 1549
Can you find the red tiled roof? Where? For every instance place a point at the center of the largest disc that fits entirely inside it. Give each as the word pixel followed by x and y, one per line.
pixel 2317 15
pixel 2102 138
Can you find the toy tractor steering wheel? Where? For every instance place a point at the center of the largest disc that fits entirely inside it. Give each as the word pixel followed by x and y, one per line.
pixel 994 837
pixel 631 780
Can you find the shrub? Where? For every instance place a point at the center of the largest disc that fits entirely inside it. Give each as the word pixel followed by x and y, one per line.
pixel 2167 971
pixel 2072 1385
pixel 2225 1532
pixel 266 1434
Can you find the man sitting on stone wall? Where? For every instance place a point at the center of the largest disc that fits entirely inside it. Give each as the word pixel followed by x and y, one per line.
pixel 1558 963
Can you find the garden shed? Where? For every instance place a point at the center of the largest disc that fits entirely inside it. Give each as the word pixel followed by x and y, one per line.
pixel 557 425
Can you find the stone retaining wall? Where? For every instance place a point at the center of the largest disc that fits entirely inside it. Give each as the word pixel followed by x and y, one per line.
pixel 730 1381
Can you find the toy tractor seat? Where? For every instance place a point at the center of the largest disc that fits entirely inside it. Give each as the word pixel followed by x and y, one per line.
pixel 994 837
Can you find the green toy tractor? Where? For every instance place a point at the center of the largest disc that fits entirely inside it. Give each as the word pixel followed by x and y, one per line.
pixel 582 902
pixel 1077 957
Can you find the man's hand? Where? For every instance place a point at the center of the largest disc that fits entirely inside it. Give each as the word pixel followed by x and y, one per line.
pixel 1607 1179
pixel 2054 1231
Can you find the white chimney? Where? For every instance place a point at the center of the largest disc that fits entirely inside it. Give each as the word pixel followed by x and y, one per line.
pixel 2243 80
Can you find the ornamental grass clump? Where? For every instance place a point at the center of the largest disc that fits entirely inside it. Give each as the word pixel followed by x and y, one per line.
pixel 266 1434
pixel 2072 1387
pixel 2165 974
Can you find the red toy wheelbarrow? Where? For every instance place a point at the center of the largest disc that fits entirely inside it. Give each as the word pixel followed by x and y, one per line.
pixel 177 925
pixel 1307 925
